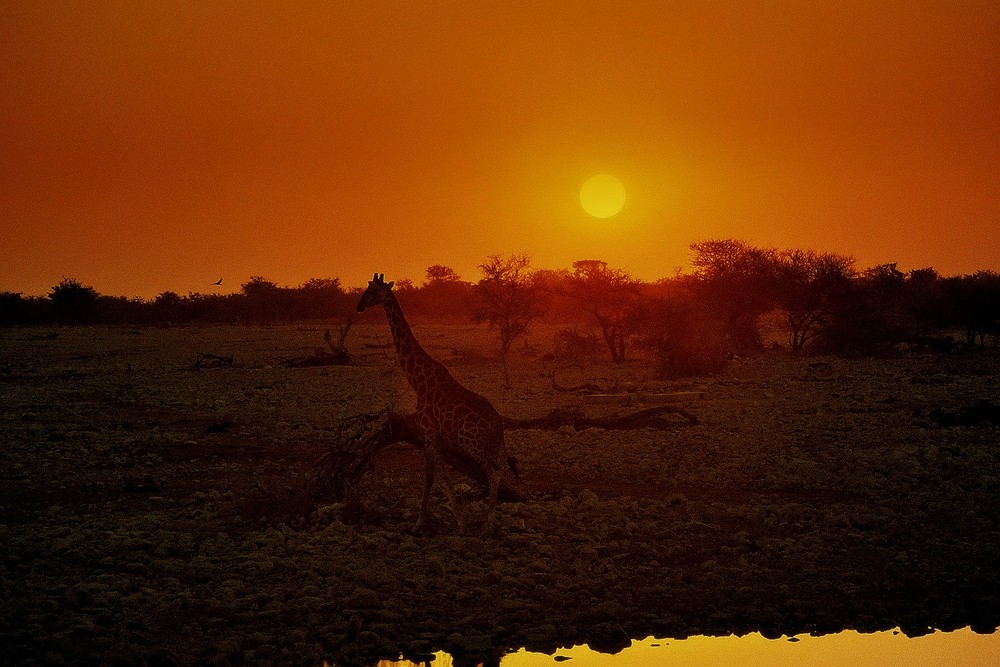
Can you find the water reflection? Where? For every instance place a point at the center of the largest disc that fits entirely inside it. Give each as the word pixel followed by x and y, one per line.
pixel 878 649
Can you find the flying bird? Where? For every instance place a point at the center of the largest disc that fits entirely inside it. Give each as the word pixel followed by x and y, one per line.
pixel 218 282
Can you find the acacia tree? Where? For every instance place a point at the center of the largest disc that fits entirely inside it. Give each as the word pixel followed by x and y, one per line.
pixel 974 305
pixel 808 286
pixel 322 298
pixel 738 281
pixel 170 307
pixel 263 299
pixel 73 302
pixel 923 303
pixel 441 273
pixel 508 300
pixel 444 295
pixel 612 299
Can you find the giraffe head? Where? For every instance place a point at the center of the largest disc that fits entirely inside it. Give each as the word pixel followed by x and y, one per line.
pixel 378 292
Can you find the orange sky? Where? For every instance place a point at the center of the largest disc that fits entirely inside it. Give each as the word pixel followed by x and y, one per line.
pixel 158 146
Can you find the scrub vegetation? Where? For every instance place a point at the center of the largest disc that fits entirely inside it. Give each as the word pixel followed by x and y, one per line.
pixel 693 323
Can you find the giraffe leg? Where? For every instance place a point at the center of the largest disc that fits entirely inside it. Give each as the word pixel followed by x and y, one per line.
pixel 493 481
pixel 448 491
pixel 429 461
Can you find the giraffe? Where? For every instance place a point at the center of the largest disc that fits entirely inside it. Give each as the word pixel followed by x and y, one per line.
pixel 454 422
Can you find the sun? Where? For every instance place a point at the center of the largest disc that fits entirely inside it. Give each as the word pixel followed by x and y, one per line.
pixel 602 196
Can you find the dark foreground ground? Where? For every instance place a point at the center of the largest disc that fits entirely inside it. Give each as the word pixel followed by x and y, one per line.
pixel 151 515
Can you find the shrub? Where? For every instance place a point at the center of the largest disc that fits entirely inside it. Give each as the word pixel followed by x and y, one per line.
pixel 686 339
pixel 573 343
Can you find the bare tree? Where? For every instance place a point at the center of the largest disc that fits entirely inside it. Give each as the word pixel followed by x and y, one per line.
pixel 509 301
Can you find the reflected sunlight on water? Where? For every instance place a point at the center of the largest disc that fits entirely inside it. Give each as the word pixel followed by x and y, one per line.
pixel 880 649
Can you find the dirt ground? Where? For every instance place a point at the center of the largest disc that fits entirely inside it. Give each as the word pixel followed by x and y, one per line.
pixel 152 509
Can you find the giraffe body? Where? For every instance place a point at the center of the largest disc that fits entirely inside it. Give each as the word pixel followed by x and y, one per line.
pixel 454 422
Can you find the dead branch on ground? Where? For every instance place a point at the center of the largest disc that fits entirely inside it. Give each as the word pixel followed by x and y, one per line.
pixel 337 356
pixel 206 360
pixel 577 389
pixel 359 438
pixel 575 418
pixel 342 331
pixel 338 472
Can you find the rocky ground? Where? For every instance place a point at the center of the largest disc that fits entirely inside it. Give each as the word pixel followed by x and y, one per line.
pixel 152 509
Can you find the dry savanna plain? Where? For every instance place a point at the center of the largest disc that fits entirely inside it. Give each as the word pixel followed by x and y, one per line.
pixel 153 513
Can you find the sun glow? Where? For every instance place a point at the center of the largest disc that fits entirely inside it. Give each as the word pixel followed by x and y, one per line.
pixel 602 196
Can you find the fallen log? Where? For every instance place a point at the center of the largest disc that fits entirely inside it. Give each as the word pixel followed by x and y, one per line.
pixel 206 360
pixel 320 358
pixel 575 389
pixel 670 397
pixel 638 397
pixel 648 418
pixel 361 437
pixel 592 393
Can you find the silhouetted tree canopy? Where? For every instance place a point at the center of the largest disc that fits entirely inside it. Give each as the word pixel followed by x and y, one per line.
pixel 972 303
pixel 439 273
pixel 808 287
pixel 444 296
pixel 613 300
pixel 16 309
pixel 739 281
pixel 73 303
pixel 692 323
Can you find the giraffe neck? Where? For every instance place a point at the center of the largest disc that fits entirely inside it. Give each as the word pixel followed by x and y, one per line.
pixel 419 367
